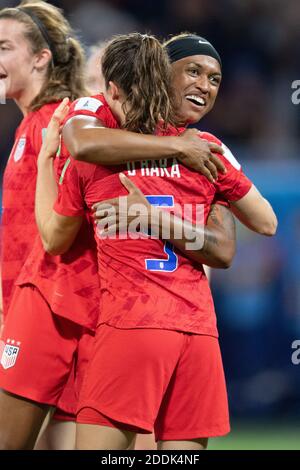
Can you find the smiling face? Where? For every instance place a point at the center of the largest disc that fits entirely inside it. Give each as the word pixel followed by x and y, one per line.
pixel 196 80
pixel 16 58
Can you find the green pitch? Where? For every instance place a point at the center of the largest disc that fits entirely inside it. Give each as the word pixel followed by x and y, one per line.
pixel 260 437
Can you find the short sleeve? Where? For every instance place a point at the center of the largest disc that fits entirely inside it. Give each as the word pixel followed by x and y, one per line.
pixel 234 184
pixel 219 199
pixel 93 106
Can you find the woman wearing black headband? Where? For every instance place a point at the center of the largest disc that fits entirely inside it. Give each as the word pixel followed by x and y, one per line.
pixel 197 74
pixel 193 102
pixel 186 45
pixel 41 62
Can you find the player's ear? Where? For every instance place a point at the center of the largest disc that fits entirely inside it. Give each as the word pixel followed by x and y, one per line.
pixel 114 90
pixel 42 59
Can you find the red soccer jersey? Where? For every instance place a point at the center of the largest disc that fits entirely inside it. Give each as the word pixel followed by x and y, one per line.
pixel 18 221
pixel 146 283
pixel 70 282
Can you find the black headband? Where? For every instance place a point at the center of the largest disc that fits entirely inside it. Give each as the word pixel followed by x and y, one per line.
pixel 191 45
pixel 42 30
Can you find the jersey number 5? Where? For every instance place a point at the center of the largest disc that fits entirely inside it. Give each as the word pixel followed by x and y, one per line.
pixel 171 263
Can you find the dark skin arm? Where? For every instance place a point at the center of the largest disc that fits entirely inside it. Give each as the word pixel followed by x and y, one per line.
pixel 220 237
pixel 217 238
pixel 213 244
pixel 88 140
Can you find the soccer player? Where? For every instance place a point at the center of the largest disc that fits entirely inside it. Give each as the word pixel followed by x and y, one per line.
pixel 41 62
pixel 67 306
pixel 146 299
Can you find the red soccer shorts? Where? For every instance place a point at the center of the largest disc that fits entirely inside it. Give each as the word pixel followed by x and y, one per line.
pixel 70 392
pixel 44 356
pixel 147 379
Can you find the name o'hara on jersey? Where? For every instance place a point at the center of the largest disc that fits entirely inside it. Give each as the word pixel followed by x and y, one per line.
pixel 161 168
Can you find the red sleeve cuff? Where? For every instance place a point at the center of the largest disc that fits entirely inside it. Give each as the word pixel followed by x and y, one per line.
pixel 68 211
pixel 241 191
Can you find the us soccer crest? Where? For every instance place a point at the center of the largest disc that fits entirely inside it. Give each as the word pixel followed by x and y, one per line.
pixel 20 147
pixel 9 355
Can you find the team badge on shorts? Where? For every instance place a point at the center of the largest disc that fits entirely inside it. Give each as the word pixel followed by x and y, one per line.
pixel 9 355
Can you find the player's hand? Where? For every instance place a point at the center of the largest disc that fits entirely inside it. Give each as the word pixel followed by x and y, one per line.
pixel 199 154
pixel 115 215
pixel 51 142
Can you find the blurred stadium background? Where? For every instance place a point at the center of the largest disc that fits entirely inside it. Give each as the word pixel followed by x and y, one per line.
pixel 258 299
